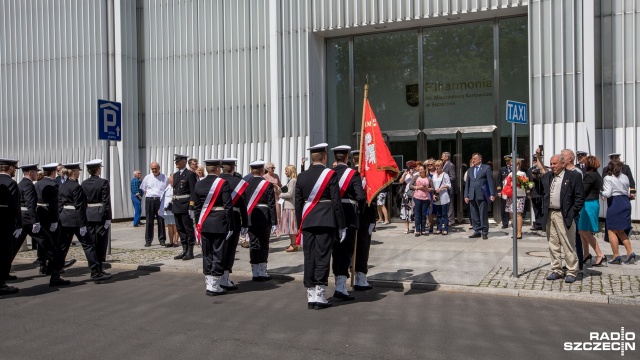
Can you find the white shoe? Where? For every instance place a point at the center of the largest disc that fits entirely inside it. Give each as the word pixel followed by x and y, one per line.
pixel 263 271
pixel 226 283
pixel 321 301
pixel 360 283
pixel 215 287
pixel 311 297
pixel 255 272
pixel 341 289
pixel 208 280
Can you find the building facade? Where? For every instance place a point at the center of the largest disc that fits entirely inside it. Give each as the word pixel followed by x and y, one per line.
pixel 263 79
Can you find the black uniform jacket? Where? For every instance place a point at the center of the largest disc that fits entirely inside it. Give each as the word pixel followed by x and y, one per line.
pixel 262 215
pixel 502 174
pixel 240 208
pixel 71 194
pixel 218 221
pixel 571 196
pixel 97 191
pixel 328 211
pixel 10 215
pixel 28 201
pixel 183 184
pixel 47 191
pixel 353 194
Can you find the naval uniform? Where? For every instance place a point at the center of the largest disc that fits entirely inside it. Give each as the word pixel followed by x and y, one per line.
pixel 47 244
pixel 352 201
pixel 320 226
pixel 47 212
pixel 215 226
pixel 184 183
pixel 239 220
pixel 98 194
pixel 11 220
pixel 260 221
pixel 72 209
pixel 367 222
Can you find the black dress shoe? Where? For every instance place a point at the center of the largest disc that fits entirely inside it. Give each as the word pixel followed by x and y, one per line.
pixel 11 277
pixel 8 290
pixel 505 226
pixel 311 305
pixel 68 263
pixel 232 287
pixel 341 296
pixel 147 244
pixel 485 237
pixel 475 235
pixel 59 282
pixel 163 244
pixel 319 306
pixel 362 288
pixel 216 293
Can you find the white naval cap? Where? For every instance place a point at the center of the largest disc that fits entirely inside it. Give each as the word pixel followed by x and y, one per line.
pixel 355 152
pixel 614 155
pixel 50 166
pixel 212 162
pixel 257 164
pixel 322 147
pixel 10 162
pixel 341 149
pixel 177 157
pixel 29 167
pixel 94 163
pixel 229 161
pixel 73 166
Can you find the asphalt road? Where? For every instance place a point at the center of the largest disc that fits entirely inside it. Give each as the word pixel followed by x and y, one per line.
pixel 142 315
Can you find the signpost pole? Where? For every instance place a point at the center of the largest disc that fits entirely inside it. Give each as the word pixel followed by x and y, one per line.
pixel 107 168
pixel 514 198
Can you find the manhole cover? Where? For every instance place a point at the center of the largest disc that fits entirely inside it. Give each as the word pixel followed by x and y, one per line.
pixel 538 254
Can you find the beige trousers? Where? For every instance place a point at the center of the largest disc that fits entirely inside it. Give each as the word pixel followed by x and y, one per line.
pixel 561 239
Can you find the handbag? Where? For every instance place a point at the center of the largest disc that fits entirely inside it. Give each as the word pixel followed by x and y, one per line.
pixel 507 190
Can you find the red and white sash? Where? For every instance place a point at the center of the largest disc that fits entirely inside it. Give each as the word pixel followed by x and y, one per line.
pixel 345 179
pixel 257 194
pixel 213 194
pixel 314 197
pixel 238 191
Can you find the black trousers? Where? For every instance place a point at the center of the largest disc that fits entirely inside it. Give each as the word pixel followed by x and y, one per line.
pixel 213 253
pixel 317 243
pixel 7 242
pixel 46 243
pixel 230 247
pixel 503 211
pixel 479 210
pixel 151 207
pixel 342 253
pixel 259 244
pixel 362 249
pixel 537 212
pixel 100 238
pixel 184 225
pixel 66 235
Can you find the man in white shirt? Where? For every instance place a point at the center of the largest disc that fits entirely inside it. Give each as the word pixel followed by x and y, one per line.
pixel 153 186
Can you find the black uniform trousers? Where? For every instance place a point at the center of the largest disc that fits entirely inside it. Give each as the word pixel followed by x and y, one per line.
pixel 47 245
pixel 537 212
pixel 362 249
pixel 503 212
pixel 184 225
pixel 230 247
pixel 7 242
pixel 342 253
pixel 100 238
pixel 213 253
pixel 151 208
pixel 66 235
pixel 317 243
pixel 259 244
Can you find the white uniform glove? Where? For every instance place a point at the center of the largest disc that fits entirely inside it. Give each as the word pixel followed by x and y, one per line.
pixel 371 226
pixel 244 231
pixel 17 233
pixel 274 228
pixel 83 231
pixel 53 227
pixel 107 223
pixel 36 228
pixel 343 234
pixel 229 233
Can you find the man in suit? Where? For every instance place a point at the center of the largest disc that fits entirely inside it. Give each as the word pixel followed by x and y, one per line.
pixel 211 200
pixel 261 214
pixel 450 169
pixel 98 195
pixel 240 220
pixel 11 224
pixel 352 199
pixel 320 218
pixel 62 174
pixel 563 198
pixel 184 182
pixel 479 189
pixel 502 174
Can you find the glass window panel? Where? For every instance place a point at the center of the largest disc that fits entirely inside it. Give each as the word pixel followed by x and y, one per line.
pixel 458 75
pixel 390 60
pixel 514 67
pixel 339 121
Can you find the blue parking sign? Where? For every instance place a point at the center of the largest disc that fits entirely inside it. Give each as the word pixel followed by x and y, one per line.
pixel 109 120
pixel 517 112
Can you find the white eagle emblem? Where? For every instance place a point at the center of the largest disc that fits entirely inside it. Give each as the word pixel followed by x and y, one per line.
pixel 370 151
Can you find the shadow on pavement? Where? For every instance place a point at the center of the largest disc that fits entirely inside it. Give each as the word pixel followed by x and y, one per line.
pixel 246 286
pixel 288 269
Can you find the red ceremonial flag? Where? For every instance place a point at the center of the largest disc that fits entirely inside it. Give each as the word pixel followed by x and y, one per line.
pixel 376 166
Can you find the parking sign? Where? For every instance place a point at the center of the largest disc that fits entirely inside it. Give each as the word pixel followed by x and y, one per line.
pixel 109 120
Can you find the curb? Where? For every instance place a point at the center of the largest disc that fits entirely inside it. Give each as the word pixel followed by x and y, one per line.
pixel 402 285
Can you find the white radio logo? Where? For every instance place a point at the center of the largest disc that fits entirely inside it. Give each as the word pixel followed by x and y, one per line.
pixel 606 341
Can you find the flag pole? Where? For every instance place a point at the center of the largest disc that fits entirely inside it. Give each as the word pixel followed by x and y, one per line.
pixel 355 240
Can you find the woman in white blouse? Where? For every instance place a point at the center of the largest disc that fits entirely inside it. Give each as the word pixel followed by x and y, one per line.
pixel 166 213
pixel 616 190
pixel 441 200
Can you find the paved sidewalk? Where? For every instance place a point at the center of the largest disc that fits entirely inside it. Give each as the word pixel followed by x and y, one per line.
pixel 453 262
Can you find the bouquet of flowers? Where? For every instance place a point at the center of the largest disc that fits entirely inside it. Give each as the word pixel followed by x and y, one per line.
pixel 524 183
